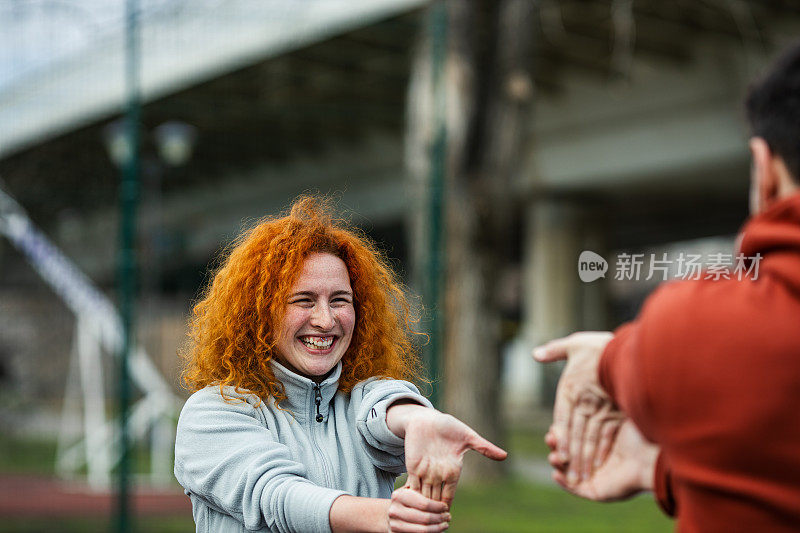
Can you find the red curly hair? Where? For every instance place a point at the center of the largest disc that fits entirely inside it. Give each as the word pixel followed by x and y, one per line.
pixel 235 327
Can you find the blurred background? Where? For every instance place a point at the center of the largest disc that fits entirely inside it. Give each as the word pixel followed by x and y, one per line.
pixel 483 144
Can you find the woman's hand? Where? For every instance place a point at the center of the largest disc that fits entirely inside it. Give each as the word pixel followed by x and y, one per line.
pixel 406 512
pixel 435 444
pixel 412 512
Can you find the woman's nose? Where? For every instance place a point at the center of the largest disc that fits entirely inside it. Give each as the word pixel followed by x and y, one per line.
pixel 322 317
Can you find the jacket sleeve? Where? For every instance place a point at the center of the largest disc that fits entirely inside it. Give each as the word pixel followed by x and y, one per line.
pixel 228 457
pixel 384 448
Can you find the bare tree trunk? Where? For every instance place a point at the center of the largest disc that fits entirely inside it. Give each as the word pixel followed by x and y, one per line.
pixel 488 93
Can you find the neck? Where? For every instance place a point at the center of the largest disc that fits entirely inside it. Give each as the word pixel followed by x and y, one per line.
pixel 301 391
pixel 315 379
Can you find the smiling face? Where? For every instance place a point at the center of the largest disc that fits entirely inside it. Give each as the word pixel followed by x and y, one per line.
pixel 318 326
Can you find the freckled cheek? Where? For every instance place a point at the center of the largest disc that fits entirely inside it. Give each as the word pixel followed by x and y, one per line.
pixel 347 318
pixel 292 322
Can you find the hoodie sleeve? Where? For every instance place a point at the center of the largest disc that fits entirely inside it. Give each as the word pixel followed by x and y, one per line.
pixel 228 457
pixel 662 490
pixel 647 367
pixel 384 448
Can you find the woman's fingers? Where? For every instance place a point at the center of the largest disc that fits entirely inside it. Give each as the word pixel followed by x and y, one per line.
pixel 439 481
pixel 412 498
pixel 449 488
pixel 414 482
pixel 398 526
pixel 436 492
pixel 427 490
pixel 486 448
pixel 411 512
pixel 415 516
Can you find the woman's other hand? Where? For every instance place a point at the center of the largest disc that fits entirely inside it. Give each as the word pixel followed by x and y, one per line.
pixel 411 512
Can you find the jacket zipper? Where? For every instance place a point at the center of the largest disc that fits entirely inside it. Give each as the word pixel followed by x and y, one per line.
pixel 319 418
pixel 318 400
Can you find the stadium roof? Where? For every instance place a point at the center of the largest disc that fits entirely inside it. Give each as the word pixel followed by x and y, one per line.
pixel 62 67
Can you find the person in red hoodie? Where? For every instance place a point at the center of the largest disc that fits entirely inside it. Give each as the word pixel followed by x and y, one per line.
pixel 699 397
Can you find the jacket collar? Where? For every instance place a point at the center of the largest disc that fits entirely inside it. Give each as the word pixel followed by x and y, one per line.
pixel 775 234
pixel 300 392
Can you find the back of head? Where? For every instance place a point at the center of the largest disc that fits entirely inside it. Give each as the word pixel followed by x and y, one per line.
pixel 236 324
pixel 773 109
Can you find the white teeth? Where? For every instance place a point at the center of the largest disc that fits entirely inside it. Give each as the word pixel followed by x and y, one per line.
pixel 317 342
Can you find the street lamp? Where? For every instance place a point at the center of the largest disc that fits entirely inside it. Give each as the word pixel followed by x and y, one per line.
pixel 174 142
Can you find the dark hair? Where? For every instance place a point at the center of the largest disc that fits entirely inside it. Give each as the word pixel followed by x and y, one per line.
pixel 773 109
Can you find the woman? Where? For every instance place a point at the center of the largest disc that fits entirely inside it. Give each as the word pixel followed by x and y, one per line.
pixel 301 414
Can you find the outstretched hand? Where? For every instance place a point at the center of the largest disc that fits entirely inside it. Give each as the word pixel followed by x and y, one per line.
pixel 628 470
pixel 584 417
pixel 596 452
pixel 435 448
pixel 435 444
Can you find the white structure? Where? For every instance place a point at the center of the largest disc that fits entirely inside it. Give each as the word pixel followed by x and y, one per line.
pixel 98 332
pixel 183 44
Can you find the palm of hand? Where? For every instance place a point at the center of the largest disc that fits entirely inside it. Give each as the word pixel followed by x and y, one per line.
pixel 583 410
pixel 435 447
pixel 625 471
pixel 580 386
pixel 437 436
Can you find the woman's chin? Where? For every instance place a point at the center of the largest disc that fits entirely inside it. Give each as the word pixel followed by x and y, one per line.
pixel 319 369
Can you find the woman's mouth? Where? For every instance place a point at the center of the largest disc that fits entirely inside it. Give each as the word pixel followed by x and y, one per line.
pixel 318 343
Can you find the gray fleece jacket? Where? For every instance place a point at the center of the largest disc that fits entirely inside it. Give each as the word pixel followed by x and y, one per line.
pixel 268 468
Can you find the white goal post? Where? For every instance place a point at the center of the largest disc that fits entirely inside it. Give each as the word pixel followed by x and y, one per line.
pixel 98 333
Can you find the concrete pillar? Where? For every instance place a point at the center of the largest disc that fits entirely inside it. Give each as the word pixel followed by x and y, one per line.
pixel 555 302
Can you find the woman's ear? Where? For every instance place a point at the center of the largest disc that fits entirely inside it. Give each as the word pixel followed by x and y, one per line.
pixel 764 183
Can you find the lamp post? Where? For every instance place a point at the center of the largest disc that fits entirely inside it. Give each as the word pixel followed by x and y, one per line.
pixel 174 143
pixel 129 195
pixel 123 144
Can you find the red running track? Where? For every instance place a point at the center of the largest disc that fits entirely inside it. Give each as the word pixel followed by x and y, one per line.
pixel 39 496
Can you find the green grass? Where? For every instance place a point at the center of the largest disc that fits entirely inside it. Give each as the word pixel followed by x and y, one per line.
pixel 38 456
pixel 527 442
pixel 26 456
pixel 518 506
pixel 513 505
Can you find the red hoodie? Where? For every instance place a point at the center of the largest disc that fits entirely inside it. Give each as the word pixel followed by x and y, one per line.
pixel 710 370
